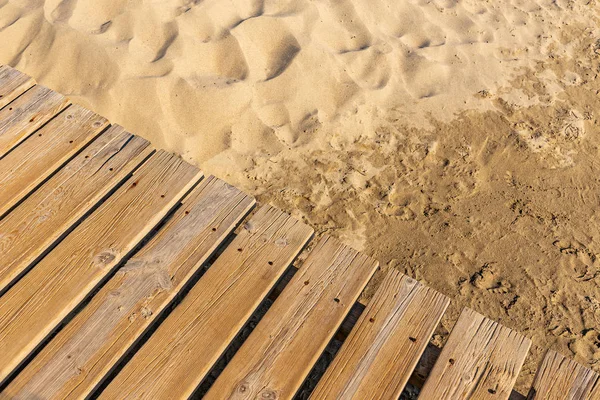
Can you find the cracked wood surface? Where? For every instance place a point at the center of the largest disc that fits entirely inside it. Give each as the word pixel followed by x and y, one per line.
pixel 26 114
pixel 40 155
pixel 559 378
pixel 481 360
pixel 37 303
pixel 280 352
pixel 185 346
pixel 381 352
pixel 34 225
pixel 75 361
pixel 13 83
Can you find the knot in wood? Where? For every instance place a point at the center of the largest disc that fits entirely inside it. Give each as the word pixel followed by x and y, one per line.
pixel 105 258
pixel 281 242
pixel 243 387
pixel 268 394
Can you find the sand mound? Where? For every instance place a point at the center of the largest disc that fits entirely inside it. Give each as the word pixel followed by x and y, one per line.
pixel 454 139
pixel 252 77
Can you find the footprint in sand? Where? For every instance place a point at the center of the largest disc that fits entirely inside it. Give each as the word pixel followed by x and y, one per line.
pixel 579 259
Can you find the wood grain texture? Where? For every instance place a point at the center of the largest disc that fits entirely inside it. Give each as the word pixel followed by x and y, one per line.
pixel 559 378
pixel 86 349
pixel 33 226
pixel 185 346
pixel 481 360
pixel 38 302
pixel 280 352
pixel 12 84
pixel 26 114
pixel 40 155
pixel 379 356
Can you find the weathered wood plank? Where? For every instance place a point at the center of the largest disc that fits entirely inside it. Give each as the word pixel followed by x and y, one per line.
pixel 379 356
pixel 12 84
pixel 86 349
pixel 40 155
pixel 559 378
pixel 182 350
pixel 59 203
pixel 38 302
pixel 26 114
pixel 280 352
pixel 481 360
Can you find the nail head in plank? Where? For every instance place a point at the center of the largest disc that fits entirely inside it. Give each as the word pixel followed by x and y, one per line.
pixel 38 302
pixel 120 312
pixel 26 114
pixel 481 360
pixel 190 340
pixel 559 378
pixel 378 358
pixel 35 224
pixel 40 155
pixel 12 84
pixel 280 352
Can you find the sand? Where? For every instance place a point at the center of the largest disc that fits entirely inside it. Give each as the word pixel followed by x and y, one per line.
pixel 455 140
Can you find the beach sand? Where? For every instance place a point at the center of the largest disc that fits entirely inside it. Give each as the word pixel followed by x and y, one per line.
pixel 455 140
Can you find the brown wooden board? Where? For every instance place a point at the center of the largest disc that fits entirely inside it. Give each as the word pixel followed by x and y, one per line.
pixel 481 360
pixel 77 359
pixel 276 358
pixel 379 356
pixel 38 302
pixel 40 155
pixel 12 84
pixel 26 114
pixel 559 378
pixel 33 226
pixel 185 346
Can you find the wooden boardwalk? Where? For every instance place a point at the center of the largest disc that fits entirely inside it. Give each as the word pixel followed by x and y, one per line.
pixel 121 277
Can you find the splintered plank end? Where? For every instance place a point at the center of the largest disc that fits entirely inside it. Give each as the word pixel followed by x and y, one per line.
pixel 381 352
pixel 481 360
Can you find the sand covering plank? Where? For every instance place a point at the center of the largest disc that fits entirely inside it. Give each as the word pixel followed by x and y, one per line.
pixel 481 360
pixel 40 155
pixel 34 306
pixel 559 378
pixel 71 365
pixel 12 84
pixel 33 226
pixel 26 114
pixel 382 350
pixel 182 350
pixel 276 358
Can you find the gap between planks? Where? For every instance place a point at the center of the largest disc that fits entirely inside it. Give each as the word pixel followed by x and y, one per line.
pixel 100 335
pixel 59 203
pixel 32 308
pixel 190 340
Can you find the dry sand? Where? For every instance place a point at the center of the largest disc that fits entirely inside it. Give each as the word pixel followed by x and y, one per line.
pixel 455 140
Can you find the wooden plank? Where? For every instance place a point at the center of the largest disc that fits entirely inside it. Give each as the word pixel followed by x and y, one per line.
pixel 40 155
pixel 559 378
pixel 38 302
pixel 186 345
pixel 117 315
pixel 26 114
pixel 379 356
pixel 12 84
pixel 280 352
pixel 33 226
pixel 481 360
